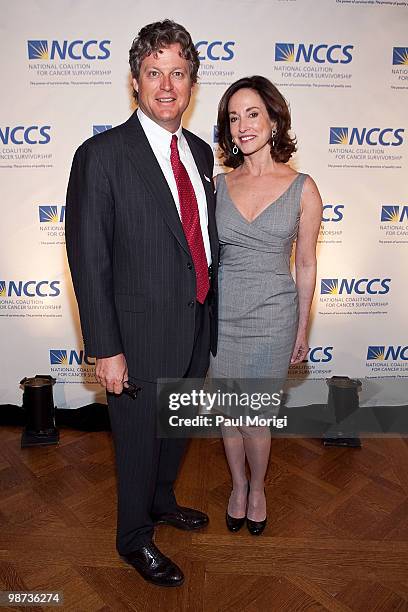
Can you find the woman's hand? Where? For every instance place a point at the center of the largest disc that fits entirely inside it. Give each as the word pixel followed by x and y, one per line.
pixel 300 349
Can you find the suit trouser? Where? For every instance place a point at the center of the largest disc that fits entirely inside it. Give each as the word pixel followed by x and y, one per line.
pixel 146 465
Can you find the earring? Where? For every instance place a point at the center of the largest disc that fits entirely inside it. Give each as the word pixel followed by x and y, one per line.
pixel 234 148
pixel 273 134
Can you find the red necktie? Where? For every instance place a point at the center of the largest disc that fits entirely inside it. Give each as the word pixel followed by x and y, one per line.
pixel 190 220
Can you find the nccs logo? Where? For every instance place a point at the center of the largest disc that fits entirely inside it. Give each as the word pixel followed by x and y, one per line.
pixel 215 50
pixel 31 288
pixel 332 212
pixel 366 136
pixel 321 53
pixel 400 56
pixel 45 50
pixel 98 129
pixel 387 353
pixel 394 214
pixel 63 357
pixel 51 214
pixel 31 135
pixel 319 354
pixel 360 286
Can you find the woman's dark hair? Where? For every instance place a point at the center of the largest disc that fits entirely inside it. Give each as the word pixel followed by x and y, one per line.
pixel 278 111
pixel 154 37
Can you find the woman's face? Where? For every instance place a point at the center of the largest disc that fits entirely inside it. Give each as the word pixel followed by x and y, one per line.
pixel 250 124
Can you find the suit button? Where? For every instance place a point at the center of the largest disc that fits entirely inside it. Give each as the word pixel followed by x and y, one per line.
pixel 190 266
pixel 191 303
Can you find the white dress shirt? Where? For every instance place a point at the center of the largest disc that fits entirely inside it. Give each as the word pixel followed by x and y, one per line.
pixel 159 140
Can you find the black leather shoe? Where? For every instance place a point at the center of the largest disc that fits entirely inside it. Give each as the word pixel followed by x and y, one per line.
pixel 182 518
pixel 154 567
pixel 256 527
pixel 234 524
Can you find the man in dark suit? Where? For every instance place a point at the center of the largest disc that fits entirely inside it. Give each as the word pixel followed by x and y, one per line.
pixel 141 242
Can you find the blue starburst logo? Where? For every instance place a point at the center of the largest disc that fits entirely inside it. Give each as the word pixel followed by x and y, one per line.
pixel 376 353
pixel 284 52
pixel 58 357
pixel 400 56
pixel 338 135
pixel 329 286
pixel 98 129
pixel 390 214
pixel 38 50
pixel 48 214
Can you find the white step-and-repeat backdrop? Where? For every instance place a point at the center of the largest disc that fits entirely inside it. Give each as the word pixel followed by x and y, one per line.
pixel 343 67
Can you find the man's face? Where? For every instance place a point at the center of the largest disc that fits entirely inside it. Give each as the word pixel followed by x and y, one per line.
pixel 164 86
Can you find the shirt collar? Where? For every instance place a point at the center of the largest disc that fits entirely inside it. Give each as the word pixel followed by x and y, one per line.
pixel 158 137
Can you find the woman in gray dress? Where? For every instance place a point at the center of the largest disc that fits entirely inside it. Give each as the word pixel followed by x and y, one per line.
pixel 263 206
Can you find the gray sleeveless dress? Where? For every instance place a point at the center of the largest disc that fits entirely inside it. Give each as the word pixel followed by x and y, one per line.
pixel 258 303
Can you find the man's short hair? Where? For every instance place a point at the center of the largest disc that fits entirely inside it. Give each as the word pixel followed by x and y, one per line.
pixel 158 35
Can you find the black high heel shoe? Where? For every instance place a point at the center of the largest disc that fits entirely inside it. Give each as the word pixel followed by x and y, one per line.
pixel 235 524
pixel 256 527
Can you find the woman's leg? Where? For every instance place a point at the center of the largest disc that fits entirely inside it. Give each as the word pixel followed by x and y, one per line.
pixel 257 445
pixel 235 453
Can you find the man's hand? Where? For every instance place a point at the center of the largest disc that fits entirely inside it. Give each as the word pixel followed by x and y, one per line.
pixel 112 372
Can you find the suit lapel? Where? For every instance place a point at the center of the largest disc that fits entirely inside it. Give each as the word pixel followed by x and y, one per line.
pixel 143 158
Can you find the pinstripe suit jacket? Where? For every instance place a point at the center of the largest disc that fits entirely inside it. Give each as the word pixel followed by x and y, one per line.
pixel 130 263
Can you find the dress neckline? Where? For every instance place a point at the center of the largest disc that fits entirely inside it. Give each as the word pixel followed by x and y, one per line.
pixel 267 207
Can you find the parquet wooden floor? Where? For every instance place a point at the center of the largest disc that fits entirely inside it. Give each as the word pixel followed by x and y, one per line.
pixel 337 536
